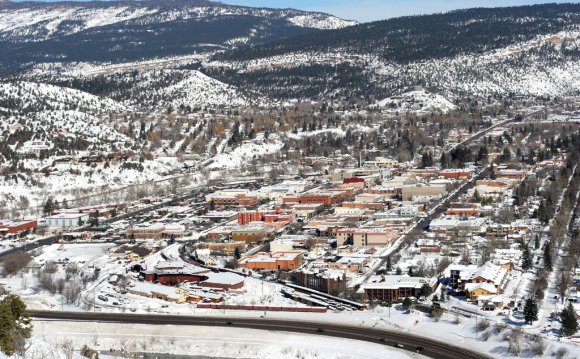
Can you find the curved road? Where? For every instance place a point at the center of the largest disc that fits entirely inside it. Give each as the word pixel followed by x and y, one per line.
pixel 430 348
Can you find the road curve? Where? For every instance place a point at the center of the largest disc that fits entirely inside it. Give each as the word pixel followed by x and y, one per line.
pixel 430 348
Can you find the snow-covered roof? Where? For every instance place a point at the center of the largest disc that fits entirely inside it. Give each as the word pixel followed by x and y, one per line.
pixel 148 288
pixel 491 272
pixel 485 286
pixel 397 281
pixel 227 278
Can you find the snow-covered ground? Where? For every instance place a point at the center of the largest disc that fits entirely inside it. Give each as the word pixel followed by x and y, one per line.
pixel 209 341
pixel 32 95
pixel 419 100
pixel 159 89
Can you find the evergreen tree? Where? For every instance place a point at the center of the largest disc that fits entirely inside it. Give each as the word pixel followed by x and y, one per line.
pixel 443 160
pixel 48 206
pixel 410 272
pixel 476 196
pixel 398 271
pixel 237 253
pixel 526 258
pixel 548 257
pixel 536 242
pixel 425 290
pixel 15 324
pixel 569 321
pixel 407 303
pixel 389 265
pixel 543 213
pixel 530 311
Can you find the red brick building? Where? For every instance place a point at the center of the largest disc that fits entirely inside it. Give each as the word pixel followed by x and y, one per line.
pixel 237 200
pixel 326 198
pixel 463 212
pixel 396 287
pixel 455 174
pixel 15 227
pixel 276 215
pixel 173 273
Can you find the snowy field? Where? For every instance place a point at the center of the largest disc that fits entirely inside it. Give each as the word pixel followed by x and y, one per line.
pixel 205 341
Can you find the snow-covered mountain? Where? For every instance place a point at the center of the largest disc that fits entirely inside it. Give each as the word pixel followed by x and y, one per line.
pixel 118 31
pixel 527 50
pixel 220 55
pixel 36 22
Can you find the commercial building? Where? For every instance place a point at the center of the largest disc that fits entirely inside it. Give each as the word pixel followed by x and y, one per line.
pixel 174 272
pixel 455 174
pixel 17 227
pixel 251 234
pixel 65 220
pixel 430 190
pixel 366 236
pixel 227 248
pixel 329 281
pixel 286 261
pixel 396 287
pixel 242 200
pixel 155 231
pixel 275 215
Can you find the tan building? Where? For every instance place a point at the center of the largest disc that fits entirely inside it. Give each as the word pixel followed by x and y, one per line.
pixel 155 231
pixel 250 234
pixel 287 260
pixel 366 236
pixel 411 191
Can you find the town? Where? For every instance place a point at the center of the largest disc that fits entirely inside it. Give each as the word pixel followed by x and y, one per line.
pixel 485 238
pixel 342 180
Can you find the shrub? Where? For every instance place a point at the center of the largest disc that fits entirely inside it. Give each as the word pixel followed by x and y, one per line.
pixel 499 327
pixel 15 262
pixel 561 353
pixel 88 352
pixel 537 345
pixel 482 325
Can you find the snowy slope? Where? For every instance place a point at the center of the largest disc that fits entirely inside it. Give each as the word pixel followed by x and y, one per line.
pixel 36 22
pixel 31 96
pixel 160 89
pixel 547 65
pixel 419 100
pixel 119 31
pixel 245 153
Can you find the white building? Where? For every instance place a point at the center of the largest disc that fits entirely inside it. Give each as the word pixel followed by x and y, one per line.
pixel 67 220
pixel 381 162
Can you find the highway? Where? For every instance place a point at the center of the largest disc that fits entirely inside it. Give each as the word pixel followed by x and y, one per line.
pixel 406 341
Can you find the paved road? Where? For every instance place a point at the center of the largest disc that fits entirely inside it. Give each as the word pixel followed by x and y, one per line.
pixel 431 348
